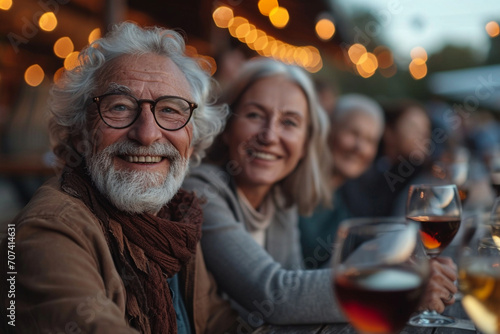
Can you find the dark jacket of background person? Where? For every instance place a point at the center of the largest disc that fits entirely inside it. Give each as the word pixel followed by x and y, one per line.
pixel 318 232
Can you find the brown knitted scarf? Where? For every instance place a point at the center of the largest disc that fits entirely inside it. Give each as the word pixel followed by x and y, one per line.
pixel 144 248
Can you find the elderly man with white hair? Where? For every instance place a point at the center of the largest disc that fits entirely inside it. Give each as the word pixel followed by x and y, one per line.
pixel 112 244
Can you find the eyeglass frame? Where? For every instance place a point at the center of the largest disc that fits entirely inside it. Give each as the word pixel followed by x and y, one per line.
pixel 152 103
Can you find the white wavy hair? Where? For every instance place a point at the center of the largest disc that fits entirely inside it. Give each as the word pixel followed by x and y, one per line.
pixel 351 103
pixel 72 96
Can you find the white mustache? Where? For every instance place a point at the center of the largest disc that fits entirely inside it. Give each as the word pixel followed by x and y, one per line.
pixel 166 150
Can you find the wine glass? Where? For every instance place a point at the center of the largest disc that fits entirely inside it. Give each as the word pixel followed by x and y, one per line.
pixel 438 210
pixel 479 272
pixel 380 272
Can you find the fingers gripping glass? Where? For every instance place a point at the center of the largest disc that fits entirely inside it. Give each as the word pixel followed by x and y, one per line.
pixel 121 110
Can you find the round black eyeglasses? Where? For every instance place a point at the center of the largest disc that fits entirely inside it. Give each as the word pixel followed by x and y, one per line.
pixel 121 110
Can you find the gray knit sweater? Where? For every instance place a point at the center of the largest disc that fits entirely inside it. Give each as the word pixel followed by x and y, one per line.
pixel 269 283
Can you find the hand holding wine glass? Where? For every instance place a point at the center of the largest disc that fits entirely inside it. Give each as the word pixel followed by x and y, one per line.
pixel 438 210
pixel 380 273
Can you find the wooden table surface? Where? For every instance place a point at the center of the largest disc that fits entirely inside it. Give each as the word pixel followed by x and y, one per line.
pixel 455 310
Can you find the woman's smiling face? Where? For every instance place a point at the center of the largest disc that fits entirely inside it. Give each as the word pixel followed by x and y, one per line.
pixel 266 137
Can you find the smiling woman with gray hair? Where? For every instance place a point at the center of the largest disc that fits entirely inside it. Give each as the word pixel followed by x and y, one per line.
pixel 268 165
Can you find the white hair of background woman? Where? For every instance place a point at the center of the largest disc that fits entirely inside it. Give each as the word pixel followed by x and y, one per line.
pixel 346 104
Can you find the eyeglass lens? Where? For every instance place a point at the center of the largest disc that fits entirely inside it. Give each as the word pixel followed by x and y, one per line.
pixel 119 110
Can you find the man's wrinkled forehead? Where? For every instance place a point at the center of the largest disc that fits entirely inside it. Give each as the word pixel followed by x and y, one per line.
pixel 144 70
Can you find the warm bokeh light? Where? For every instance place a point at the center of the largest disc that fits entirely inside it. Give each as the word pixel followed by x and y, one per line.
pixel 234 23
pixel 300 56
pixel 418 53
pixel 58 75
pixel 368 62
pixel 367 65
pixel 63 47
pixel 48 21
pixel 389 71
pixel 266 6
pixel 279 17
pixel 418 69
pixel 256 39
pixel 355 52
pixel 34 75
pixel 363 73
pixel 290 50
pixel 242 31
pixel 191 51
pixel 492 28
pixel 208 64
pixel 315 68
pixel 261 41
pixel 5 4
pixel 94 35
pixel 222 15
pixel 315 57
pixel 275 49
pixel 384 57
pixel 267 51
pixel 71 61
pixel 325 29
pixel 252 35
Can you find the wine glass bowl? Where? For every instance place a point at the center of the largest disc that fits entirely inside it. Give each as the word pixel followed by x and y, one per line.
pixel 479 273
pixel 438 210
pixel 380 272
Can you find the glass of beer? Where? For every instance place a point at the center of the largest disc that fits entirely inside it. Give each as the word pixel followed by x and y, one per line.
pixel 438 210
pixel 380 272
pixel 479 272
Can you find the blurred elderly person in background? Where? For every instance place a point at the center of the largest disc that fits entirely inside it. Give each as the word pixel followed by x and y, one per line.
pixel 357 124
pixel 112 245
pixel 404 157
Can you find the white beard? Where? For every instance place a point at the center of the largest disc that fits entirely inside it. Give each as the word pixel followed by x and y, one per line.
pixel 137 191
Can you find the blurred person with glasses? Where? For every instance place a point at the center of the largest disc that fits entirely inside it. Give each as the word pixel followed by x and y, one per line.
pixel 112 244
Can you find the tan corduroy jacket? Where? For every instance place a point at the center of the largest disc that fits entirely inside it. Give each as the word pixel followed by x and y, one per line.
pixel 66 280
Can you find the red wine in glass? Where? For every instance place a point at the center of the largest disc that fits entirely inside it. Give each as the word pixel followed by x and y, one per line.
pixel 437 232
pixel 379 300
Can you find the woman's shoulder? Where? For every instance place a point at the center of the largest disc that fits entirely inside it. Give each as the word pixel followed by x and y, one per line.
pixel 209 175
